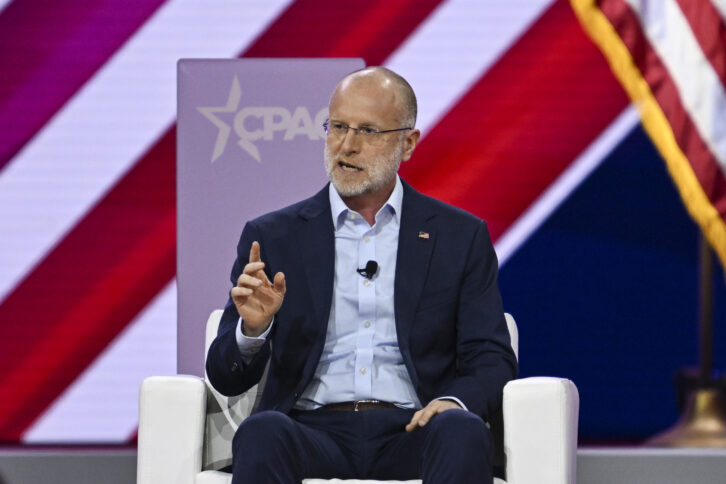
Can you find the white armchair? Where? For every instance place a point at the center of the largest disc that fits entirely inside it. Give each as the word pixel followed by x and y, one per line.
pixel 186 428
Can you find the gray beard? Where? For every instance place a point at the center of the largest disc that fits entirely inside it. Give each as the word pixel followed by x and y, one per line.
pixel 381 171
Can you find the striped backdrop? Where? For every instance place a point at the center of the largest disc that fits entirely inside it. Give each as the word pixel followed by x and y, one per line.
pixel 517 108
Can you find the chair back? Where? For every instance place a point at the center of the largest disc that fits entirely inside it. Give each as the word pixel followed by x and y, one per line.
pixel 224 414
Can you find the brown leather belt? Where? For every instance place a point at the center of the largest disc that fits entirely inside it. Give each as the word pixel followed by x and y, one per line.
pixel 358 406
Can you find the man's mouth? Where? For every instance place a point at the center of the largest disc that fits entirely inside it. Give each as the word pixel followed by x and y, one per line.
pixel 348 167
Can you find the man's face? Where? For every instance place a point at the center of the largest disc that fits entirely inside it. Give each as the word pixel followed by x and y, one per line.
pixel 357 177
pixel 356 164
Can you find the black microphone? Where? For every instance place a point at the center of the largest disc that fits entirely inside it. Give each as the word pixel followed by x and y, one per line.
pixel 370 269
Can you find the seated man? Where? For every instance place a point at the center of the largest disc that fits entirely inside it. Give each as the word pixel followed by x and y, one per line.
pixel 385 335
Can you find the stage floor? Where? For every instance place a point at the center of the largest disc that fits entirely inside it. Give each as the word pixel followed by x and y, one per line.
pixel 594 466
pixel 639 465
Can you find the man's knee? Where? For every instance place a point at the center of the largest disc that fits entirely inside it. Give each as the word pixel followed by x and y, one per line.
pixel 263 429
pixel 458 449
pixel 265 449
pixel 460 428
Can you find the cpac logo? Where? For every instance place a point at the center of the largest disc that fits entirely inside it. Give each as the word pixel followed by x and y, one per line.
pixel 254 123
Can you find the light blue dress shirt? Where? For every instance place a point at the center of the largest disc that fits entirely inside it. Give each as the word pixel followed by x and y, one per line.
pixel 361 359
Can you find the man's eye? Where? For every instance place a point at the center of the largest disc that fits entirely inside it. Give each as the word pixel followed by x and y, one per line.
pixel 367 130
pixel 338 126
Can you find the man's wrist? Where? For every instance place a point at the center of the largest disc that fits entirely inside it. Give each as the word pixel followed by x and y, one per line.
pixel 455 400
pixel 250 345
pixel 251 333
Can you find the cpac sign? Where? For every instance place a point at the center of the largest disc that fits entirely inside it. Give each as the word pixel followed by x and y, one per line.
pixel 255 123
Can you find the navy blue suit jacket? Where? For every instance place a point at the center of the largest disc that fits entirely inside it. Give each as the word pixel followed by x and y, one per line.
pixel 449 318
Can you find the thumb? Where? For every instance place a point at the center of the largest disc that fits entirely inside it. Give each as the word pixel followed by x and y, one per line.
pixel 280 286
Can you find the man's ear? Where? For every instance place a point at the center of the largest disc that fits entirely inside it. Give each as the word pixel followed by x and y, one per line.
pixel 409 143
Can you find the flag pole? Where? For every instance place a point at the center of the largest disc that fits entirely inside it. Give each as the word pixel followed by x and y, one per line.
pixel 706 312
pixel 703 421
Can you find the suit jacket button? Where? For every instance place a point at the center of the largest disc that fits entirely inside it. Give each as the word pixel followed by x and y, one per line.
pixel 235 366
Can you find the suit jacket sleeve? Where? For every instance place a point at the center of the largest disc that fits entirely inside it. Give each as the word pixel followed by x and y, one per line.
pixel 485 359
pixel 226 370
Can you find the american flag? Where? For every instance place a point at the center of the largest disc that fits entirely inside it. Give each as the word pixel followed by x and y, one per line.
pixel 670 56
pixel 517 107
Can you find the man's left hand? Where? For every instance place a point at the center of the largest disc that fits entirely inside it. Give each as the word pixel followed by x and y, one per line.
pixel 434 408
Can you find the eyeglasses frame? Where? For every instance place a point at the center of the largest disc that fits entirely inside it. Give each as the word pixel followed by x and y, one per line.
pixel 326 127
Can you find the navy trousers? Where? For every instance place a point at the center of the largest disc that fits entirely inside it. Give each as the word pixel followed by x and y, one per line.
pixel 273 447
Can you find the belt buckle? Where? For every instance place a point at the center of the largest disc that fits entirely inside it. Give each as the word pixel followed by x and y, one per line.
pixel 356 402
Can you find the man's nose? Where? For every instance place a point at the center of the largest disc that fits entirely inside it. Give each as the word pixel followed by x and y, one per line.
pixel 351 141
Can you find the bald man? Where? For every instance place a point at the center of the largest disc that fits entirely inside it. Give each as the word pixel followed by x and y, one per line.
pixel 378 311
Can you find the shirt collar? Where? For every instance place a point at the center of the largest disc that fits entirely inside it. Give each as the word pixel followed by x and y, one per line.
pixel 339 209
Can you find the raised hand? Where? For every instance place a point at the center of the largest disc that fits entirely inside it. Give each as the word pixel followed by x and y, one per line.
pixel 256 298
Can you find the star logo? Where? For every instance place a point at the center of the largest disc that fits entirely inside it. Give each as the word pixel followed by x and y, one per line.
pixel 210 112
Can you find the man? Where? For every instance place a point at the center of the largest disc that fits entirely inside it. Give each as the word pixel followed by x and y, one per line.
pixel 385 336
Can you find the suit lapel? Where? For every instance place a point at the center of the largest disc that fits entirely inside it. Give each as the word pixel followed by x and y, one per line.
pixel 416 239
pixel 317 243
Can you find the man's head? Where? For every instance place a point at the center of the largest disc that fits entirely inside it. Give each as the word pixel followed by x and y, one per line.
pixel 364 161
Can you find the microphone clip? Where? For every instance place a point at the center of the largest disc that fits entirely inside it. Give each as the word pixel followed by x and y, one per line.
pixel 369 270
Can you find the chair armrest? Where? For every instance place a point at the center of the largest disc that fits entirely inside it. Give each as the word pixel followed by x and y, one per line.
pixel 171 429
pixel 540 430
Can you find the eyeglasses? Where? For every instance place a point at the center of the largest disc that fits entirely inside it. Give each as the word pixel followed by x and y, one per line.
pixel 339 130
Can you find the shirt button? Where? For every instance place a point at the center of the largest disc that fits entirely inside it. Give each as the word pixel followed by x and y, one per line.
pixel 367 324
pixel 367 239
pixel 367 283
pixel 363 371
pixel 351 215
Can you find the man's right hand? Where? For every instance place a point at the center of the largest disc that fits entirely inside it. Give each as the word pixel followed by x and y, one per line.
pixel 256 298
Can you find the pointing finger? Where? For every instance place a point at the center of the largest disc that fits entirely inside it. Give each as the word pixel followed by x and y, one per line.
pixel 255 252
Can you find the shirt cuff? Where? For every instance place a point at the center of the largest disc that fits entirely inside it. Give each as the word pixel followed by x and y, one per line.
pixel 454 399
pixel 250 345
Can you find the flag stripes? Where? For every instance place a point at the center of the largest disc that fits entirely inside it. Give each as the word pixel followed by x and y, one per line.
pixel 653 51
pixel 151 176
pixel 668 95
pixel 333 30
pixel 92 267
pixel 720 5
pixel 476 35
pixel 707 26
pixel 526 149
pixel 697 84
pixel 104 398
pixel 83 309
pixel 537 213
pixel 108 125
pixel 52 37
pixel 366 37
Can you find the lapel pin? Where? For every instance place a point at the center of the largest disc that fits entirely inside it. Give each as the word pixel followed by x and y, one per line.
pixel 423 235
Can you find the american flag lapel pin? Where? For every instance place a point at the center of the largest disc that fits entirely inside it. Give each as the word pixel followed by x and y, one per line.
pixel 423 235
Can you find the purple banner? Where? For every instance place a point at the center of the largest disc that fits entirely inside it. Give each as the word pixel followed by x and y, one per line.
pixel 249 140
